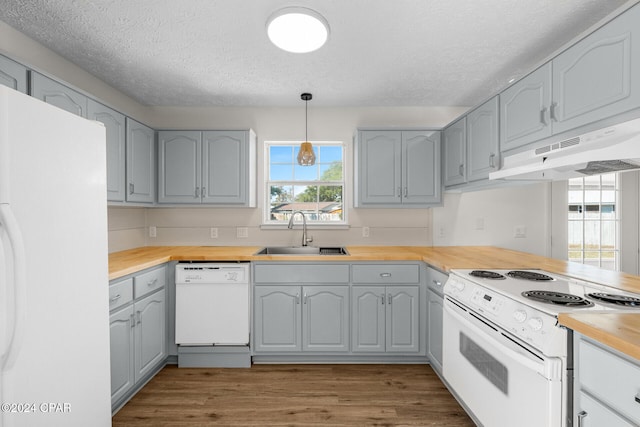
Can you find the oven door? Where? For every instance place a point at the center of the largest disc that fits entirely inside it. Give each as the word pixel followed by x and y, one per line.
pixel 501 382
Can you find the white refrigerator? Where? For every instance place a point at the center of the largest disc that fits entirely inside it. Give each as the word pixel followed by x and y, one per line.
pixel 54 315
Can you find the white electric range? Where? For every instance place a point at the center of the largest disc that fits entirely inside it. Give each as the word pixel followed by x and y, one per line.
pixel 504 354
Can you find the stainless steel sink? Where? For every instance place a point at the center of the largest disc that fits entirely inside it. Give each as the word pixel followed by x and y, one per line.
pixel 302 250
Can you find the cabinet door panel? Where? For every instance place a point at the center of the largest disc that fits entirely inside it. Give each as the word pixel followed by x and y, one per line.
pixel 114 124
pixel 277 318
pixel 224 164
pixel 524 110
pixel 455 141
pixel 421 172
pixel 13 74
pixel 150 331
pixel 403 319
pixel 368 319
pixel 325 318
pixel 435 310
pixel 140 162
pixel 598 77
pixel 54 93
pixel 380 163
pixel 121 325
pixel 482 140
pixel 179 164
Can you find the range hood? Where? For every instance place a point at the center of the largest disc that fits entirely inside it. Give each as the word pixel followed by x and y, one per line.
pixel 612 149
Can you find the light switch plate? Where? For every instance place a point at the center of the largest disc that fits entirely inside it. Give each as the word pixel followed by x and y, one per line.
pixel 153 232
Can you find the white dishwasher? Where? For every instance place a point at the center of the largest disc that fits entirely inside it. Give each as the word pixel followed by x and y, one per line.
pixel 212 304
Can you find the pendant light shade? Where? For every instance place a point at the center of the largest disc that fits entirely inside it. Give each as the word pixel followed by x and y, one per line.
pixel 306 156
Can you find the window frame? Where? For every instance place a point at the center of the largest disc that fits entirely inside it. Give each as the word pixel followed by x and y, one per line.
pixel 584 208
pixel 267 222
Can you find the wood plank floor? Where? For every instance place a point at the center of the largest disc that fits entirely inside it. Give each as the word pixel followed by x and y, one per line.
pixel 295 395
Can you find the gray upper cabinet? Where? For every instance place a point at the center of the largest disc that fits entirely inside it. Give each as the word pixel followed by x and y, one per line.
pixel 214 167
pixel 525 110
pixel 140 162
pixel 599 76
pixel 455 143
pixel 594 79
pixel 54 93
pixel 13 75
pixel 397 168
pixel 114 123
pixel 482 140
pixel 179 161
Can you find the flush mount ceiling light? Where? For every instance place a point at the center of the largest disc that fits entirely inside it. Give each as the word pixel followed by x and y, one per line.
pixel 297 29
pixel 306 156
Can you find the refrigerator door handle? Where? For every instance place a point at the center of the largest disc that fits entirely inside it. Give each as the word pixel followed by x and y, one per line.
pixel 17 286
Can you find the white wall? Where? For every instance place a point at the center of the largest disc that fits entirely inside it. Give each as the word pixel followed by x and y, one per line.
pixel 490 217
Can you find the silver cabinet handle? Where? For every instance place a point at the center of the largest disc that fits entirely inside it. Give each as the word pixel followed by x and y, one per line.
pixel 133 321
pixel 304 298
pixel 543 116
pixel 297 298
pixel 389 299
pixel 437 283
pixel 131 187
pixel 152 282
pixel 197 193
pixel 385 274
pixel 406 191
pixel 139 317
pixel 461 169
pixel 581 416
pixel 202 192
pixel 399 192
pixel 492 158
pixel 552 111
pixel 637 398
pixel 114 299
pixel 382 298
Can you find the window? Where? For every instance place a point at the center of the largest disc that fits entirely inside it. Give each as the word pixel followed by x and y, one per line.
pixel 317 191
pixel 593 221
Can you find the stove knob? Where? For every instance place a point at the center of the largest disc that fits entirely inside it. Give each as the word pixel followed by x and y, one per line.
pixel 519 316
pixel 535 323
pixel 459 286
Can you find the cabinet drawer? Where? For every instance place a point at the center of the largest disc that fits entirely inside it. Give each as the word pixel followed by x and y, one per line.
pixel 596 414
pixel 610 378
pixel 301 273
pixel 436 280
pixel 120 293
pixel 148 282
pixel 386 273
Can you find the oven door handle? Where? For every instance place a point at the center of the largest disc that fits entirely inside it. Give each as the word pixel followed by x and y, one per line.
pixel 537 366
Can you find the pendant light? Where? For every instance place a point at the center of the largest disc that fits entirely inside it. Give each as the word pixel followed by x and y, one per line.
pixel 306 156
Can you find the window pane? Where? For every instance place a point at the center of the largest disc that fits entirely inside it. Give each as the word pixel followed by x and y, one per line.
pixel 281 154
pixel 331 171
pixel 609 233
pixel 592 235
pixel 281 173
pixel 575 235
pixel 330 153
pixel 306 173
pixel 576 196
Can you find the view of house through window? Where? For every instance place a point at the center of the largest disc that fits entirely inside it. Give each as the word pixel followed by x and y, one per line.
pixel 593 221
pixel 315 190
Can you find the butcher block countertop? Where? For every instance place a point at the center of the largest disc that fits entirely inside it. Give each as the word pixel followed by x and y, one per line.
pixel 620 331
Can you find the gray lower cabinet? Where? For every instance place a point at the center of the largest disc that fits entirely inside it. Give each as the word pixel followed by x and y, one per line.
pixel 114 123
pixel 435 302
pixel 606 386
pixel 140 162
pixel 312 318
pixel 13 75
pixel 138 332
pixel 397 168
pixel 55 93
pixel 385 319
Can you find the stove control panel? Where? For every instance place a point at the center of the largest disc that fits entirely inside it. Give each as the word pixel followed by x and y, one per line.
pixel 532 326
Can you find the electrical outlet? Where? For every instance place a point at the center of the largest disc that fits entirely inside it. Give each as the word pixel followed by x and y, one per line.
pixel 242 232
pixel 213 232
pixel 519 231
pixel 365 231
pixel 153 232
pixel 441 232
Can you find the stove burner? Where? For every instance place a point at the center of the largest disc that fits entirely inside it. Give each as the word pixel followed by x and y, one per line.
pixel 557 298
pixel 529 275
pixel 616 299
pixel 487 274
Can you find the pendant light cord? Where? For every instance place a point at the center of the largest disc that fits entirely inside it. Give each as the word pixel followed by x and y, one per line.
pixel 306 120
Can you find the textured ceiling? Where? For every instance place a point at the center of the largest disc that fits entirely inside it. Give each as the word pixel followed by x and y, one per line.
pixel 380 52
